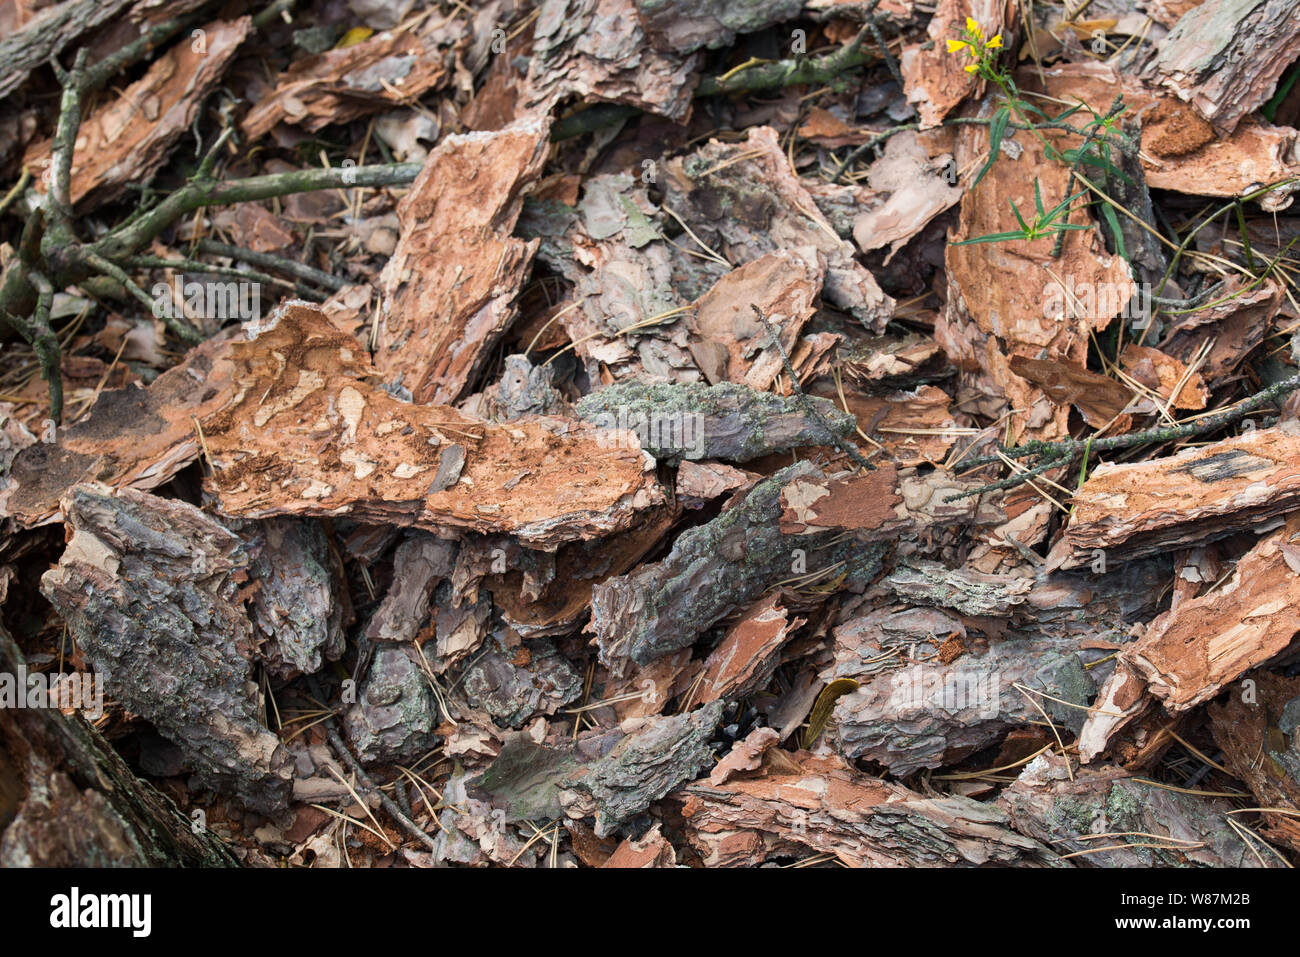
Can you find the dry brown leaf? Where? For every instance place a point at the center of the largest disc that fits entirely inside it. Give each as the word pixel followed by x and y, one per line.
pixel 1099 398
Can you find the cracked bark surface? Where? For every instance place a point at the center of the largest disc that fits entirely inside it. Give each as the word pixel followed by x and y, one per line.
pixel 150 589
pixel 69 800
pixel 811 801
pixel 1226 58
pixel 1136 824
pixel 1198 495
pixel 727 421
pixel 306 433
pixel 712 571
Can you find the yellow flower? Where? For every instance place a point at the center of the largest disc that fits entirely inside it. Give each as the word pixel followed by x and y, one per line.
pixel 955 45
pixel 972 68
pixel 995 43
pixel 973 28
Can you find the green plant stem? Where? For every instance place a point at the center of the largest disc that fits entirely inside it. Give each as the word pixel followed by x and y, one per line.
pixel 762 76
pixel 1061 453
pixel 1116 107
pixel 277 263
pixel 197 194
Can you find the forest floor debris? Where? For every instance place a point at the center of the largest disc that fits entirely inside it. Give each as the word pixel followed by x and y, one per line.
pixel 630 434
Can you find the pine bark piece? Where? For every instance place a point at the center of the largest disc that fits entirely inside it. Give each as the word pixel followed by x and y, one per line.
pixel 1199 495
pixel 1163 374
pixel 646 690
pixel 818 802
pixel 1235 335
pixel 895 12
pixel 621 779
pixel 420 562
pixel 296 607
pixel 559 605
pixel 916 425
pixel 817 503
pixel 515 686
pixel 882 504
pixel 526 389
pixel 131 437
pixel 458 627
pixel 912 192
pixel 418 606
pixel 395 716
pixel 1236 295
pixel 386 70
pixel 1225 58
pixel 129 139
pixel 449 289
pixel 643 767
pixel 14 437
pixel 597 49
pixel 1121 701
pixel 954 694
pixel 698 483
pixel 684 26
pixel 1192 651
pixel 47 34
pixel 1257 727
pixel 726 333
pixel 150 589
pixel 927 715
pixel 748 654
pixel 466 833
pixel 964 589
pixel 726 421
pixel 746 199
pixel 712 571
pixel 1002 298
pixel 629 282
pixel 68 800
pixel 1168 12
pixel 745 755
pixel 1124 814
pixel 645 309
pixel 306 434
pixel 650 850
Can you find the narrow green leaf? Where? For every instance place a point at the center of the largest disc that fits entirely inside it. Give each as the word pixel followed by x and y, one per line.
pixel 991 238
pixel 1020 219
pixel 997 128
pixel 1113 221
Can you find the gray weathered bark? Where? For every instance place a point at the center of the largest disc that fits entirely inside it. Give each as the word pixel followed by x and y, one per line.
pixel 68 800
